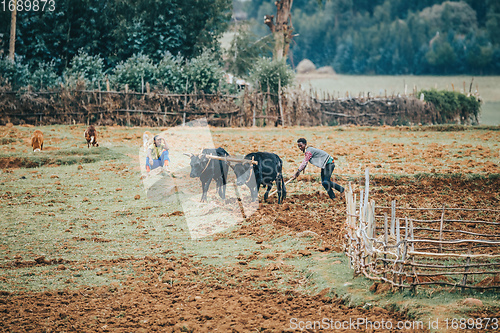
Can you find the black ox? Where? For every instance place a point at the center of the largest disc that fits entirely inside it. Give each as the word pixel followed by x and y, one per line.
pixel 207 169
pixel 268 169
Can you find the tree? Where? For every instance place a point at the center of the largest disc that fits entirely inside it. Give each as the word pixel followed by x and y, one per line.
pixel 442 57
pixel 493 22
pixel 117 29
pixel 245 50
pixel 12 40
pixel 272 74
pixel 87 69
pixel 282 28
pixel 135 71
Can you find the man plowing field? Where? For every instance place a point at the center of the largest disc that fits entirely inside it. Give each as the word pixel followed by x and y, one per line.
pixel 321 159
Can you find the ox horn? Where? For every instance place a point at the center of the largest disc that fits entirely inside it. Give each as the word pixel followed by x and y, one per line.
pixel 189 155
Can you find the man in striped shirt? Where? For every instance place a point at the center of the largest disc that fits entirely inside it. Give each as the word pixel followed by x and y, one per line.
pixel 323 160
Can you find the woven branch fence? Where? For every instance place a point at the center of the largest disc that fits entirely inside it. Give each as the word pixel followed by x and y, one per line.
pixel 292 108
pixel 410 247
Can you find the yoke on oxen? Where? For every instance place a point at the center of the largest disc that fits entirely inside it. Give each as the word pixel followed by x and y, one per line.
pixel 227 159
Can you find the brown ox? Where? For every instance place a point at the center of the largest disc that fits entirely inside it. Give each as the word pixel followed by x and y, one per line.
pixel 91 136
pixel 37 140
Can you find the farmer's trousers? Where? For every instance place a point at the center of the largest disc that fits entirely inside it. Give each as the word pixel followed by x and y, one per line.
pixel 326 174
pixel 159 162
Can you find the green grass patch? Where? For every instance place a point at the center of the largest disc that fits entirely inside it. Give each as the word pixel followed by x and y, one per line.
pixel 490 114
pixel 68 156
pixel 6 141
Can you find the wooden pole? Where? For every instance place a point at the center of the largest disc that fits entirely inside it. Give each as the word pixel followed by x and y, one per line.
pixel 374 221
pixel 232 159
pixel 367 188
pixel 185 105
pixel 467 262
pixel 12 42
pixel 412 235
pixel 244 104
pixel 280 104
pixel 361 208
pixel 393 216
pixel 386 238
pixel 268 99
pixel 398 235
pixel 100 95
pixel 254 123
pixel 441 231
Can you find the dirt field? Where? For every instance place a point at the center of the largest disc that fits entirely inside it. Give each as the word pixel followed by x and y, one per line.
pixel 83 249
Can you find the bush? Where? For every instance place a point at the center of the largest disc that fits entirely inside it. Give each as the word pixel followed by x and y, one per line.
pixel 204 73
pixel 267 72
pixel 86 69
pixel 170 74
pixel 14 74
pixel 453 106
pixel 246 48
pixel 44 76
pixel 137 70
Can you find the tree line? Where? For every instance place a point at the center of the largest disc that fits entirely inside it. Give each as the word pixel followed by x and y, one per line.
pixel 352 36
pixel 391 36
pixel 116 29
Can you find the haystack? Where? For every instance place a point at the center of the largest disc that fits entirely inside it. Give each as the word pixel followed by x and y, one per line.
pixel 326 70
pixel 305 66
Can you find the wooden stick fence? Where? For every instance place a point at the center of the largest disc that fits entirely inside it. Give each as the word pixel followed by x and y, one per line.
pixel 406 253
pixel 290 108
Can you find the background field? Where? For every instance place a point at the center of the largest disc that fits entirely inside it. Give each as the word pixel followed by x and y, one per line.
pixel 84 248
pixel 487 86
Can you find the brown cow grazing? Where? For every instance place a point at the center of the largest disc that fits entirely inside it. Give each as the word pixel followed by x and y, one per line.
pixel 37 141
pixel 91 136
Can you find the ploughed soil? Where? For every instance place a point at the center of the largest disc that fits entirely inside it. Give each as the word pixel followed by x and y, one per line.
pixel 180 294
pixel 153 303
pixel 173 293
pixel 313 211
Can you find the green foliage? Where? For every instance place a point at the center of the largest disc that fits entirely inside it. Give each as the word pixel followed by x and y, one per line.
pixel 170 73
pixel 117 29
pixel 453 105
pixel 203 73
pixel 13 74
pixel 393 36
pixel 272 73
pixel 246 48
pixel 458 16
pixel 44 77
pixel 135 71
pixel 87 69
pixel 442 56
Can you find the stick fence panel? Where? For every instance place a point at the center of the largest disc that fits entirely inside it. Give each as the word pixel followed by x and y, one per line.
pixel 408 253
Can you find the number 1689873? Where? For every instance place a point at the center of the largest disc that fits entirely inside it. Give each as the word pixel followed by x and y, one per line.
pixel 28 5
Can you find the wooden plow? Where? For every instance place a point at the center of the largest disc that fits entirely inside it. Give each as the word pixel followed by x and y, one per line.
pixel 228 159
pixel 422 246
pixel 232 159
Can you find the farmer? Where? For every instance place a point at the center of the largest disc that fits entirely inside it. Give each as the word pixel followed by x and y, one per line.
pixel 157 155
pixel 322 160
